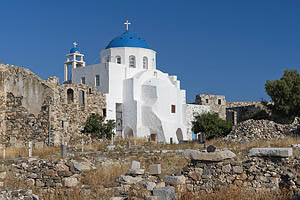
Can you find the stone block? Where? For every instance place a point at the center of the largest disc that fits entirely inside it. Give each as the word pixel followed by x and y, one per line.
pixel 165 193
pixel 3 175
pixel 61 167
pixel 237 169
pixel 175 180
pixel 19 144
pixel 30 182
pixel 226 168
pixel 12 140
pixel 135 165
pixel 111 147
pixel 149 185
pixel 160 184
pixel 155 169
pixel 204 156
pixel 271 152
pixel 70 182
pixel 117 198
pixel 130 180
pixel 81 166
pixel 39 145
pixel 136 171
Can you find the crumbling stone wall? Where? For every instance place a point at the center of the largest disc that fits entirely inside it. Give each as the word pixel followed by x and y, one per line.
pixel 68 117
pixel 32 109
pixel 21 125
pixel 236 110
pixel 217 103
pixel 254 173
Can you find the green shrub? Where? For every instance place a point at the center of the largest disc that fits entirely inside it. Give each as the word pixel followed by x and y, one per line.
pixel 258 115
pixel 212 125
pixel 97 127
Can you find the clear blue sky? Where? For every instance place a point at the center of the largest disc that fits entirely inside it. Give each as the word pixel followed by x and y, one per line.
pixel 214 47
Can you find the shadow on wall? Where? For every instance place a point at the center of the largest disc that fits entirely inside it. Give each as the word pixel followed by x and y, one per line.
pixel 128 132
pixel 179 134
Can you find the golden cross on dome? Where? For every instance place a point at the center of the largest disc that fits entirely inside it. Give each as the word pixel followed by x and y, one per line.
pixel 127 23
pixel 75 44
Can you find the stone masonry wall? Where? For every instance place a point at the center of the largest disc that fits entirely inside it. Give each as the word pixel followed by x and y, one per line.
pixel 32 109
pixel 68 117
pixel 254 173
pixel 235 110
pixel 217 103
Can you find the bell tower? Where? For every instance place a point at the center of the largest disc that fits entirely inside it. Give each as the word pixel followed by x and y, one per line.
pixel 74 60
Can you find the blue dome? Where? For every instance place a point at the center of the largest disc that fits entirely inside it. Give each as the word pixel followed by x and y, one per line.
pixel 74 50
pixel 128 39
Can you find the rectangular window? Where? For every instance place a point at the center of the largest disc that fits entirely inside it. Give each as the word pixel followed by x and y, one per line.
pixel 173 109
pixel 219 101
pixel 104 112
pixel 206 100
pixel 82 80
pixel 97 80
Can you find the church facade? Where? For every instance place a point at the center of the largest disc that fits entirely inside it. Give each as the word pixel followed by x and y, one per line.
pixel 144 101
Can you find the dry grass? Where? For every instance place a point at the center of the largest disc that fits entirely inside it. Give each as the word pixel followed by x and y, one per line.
pixel 13 152
pixel 104 176
pixel 235 193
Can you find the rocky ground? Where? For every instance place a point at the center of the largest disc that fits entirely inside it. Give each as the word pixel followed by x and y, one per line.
pixel 151 171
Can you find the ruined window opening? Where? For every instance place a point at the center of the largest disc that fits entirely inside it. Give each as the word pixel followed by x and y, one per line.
pixel 219 101
pixel 82 80
pixel 70 96
pixel 118 60
pixel 97 80
pixel 206 100
pixel 173 109
pixel 104 112
pixel 90 90
pixel 81 97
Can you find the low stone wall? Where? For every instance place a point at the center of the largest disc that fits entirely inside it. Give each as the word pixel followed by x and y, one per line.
pixel 254 173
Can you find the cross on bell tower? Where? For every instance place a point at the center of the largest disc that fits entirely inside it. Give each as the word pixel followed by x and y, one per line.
pixel 127 23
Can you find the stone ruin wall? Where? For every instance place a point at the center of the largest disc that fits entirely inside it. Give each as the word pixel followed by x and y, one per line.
pixel 236 110
pixel 68 116
pixel 26 102
pixel 217 103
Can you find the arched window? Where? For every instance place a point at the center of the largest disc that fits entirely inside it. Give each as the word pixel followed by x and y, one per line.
pixel 132 61
pixel 145 62
pixel 118 59
pixel 70 96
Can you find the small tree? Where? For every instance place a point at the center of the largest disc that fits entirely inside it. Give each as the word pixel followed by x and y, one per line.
pixel 285 95
pixel 211 124
pixel 97 127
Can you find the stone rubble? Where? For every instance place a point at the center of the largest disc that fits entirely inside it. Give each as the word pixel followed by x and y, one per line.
pixel 251 130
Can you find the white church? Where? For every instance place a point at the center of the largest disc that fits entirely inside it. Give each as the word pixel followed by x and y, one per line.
pixel 144 101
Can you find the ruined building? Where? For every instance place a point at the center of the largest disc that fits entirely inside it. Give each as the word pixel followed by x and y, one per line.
pixel 43 111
